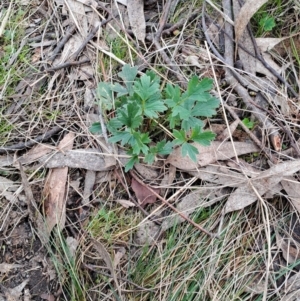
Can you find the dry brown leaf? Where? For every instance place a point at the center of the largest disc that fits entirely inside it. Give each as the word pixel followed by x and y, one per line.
pixel 72 244
pixel 89 182
pixel 289 248
pixel 143 194
pixel 92 3
pixel 192 202
pixel 47 297
pixel 249 62
pixel 264 182
pixel 76 13
pixel 113 27
pixel 35 153
pixel 245 14
pixel 292 188
pixel 118 256
pixel 109 263
pixel 146 172
pixel 125 203
pixel 137 18
pixel 168 179
pixel 267 44
pixel 7 185
pixel 54 190
pixel 6 160
pixel 14 294
pixel 34 213
pixel 210 154
pixel 291 290
pixel 146 233
pixel 5 19
pixel 225 134
pixel 6 267
pixel 220 175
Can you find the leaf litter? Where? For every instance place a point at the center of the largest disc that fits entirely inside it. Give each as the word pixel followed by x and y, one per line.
pixel 221 181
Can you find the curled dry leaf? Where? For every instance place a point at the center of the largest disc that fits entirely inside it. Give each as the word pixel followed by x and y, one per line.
pixel 108 261
pixel 6 267
pixel 292 188
pixel 245 14
pixel 291 290
pixel 54 190
pixel 72 244
pixel 289 248
pixel 146 233
pixel 146 172
pixel 14 294
pixel 137 18
pixel 143 194
pixel 210 154
pixel 125 203
pixel 192 202
pixel 246 194
pixel 89 182
pixel 248 61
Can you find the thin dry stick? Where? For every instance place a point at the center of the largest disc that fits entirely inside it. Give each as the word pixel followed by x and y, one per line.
pixel 163 19
pixel 89 37
pixel 67 65
pixel 180 23
pixel 237 82
pixel 212 235
pixel 171 65
pixel 62 43
pixel 23 145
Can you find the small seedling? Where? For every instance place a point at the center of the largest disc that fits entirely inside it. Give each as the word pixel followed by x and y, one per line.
pixel 140 103
pixel 266 23
pixel 248 123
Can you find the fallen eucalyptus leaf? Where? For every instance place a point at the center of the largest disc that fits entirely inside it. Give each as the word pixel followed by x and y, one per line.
pixel 210 154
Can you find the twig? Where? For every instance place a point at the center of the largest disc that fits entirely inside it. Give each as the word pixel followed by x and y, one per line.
pixel 163 19
pixel 251 135
pixel 212 235
pixel 62 43
pixel 23 145
pixel 173 67
pixel 180 23
pixel 89 37
pixel 67 65
pixel 237 82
